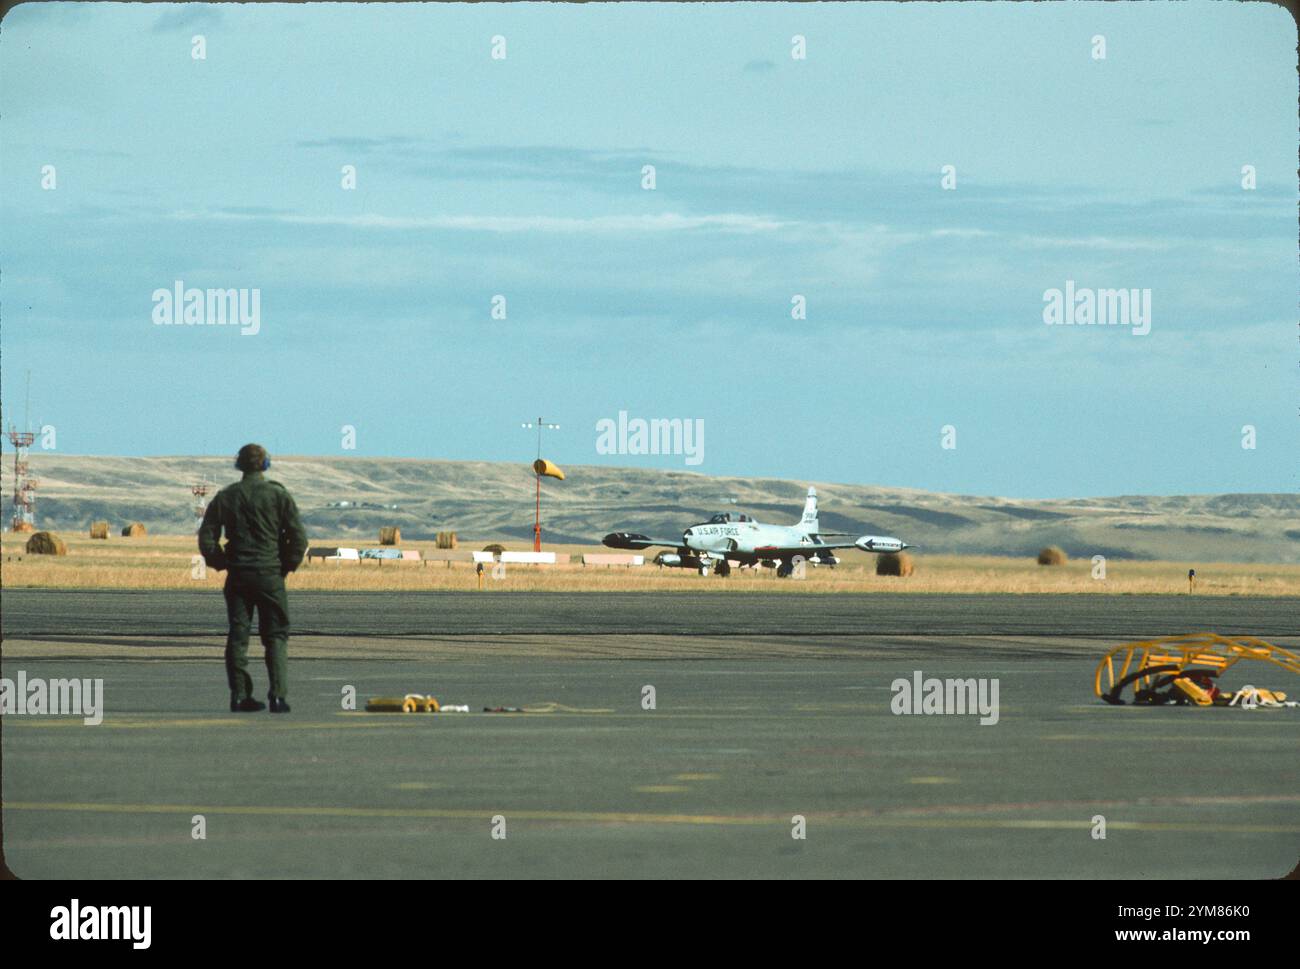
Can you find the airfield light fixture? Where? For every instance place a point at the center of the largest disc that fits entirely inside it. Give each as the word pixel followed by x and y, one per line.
pixel 541 425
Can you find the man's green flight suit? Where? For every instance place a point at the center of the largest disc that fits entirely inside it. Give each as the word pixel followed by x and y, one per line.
pixel 265 541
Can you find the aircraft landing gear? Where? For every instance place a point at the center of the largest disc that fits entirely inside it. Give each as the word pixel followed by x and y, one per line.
pixel 784 570
pixel 704 568
pixel 724 568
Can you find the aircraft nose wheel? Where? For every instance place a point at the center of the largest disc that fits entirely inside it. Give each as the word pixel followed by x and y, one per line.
pixel 704 570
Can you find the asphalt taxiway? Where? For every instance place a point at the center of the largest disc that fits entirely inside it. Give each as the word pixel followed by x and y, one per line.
pixel 56 612
pixel 772 716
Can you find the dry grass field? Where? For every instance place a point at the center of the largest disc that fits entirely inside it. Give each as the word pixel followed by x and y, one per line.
pixel 167 562
pixel 351 499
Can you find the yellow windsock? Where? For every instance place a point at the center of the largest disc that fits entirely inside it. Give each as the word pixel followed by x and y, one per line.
pixel 547 469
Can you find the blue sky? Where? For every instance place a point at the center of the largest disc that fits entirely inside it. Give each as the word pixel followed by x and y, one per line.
pixel 774 177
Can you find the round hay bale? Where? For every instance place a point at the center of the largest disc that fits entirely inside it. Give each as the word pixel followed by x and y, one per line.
pixel 894 563
pixel 99 529
pixel 46 543
pixel 134 530
pixel 390 535
pixel 1052 555
pixel 446 540
pixel 494 548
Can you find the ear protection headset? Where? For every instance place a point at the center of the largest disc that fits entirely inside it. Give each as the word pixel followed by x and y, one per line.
pixel 266 464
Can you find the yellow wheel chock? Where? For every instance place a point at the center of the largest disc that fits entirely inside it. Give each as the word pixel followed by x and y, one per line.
pixel 1183 670
pixel 411 703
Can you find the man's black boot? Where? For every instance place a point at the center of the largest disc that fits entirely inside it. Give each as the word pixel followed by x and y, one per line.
pixel 278 704
pixel 246 705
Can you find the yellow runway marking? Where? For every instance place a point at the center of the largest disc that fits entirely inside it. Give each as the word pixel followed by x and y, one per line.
pixel 366 720
pixel 660 789
pixel 866 819
pixel 122 723
pixel 571 714
pixel 834 708
pixel 329 726
pixel 932 780
pixel 696 777
pixel 359 718
pixel 1176 738
pixel 598 817
pixel 262 722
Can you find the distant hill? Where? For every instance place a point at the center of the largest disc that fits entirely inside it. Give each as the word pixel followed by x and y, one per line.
pixel 483 501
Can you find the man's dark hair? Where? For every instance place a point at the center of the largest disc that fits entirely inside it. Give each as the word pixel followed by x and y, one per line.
pixel 252 457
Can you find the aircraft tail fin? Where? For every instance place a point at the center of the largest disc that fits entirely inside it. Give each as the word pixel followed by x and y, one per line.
pixel 808 523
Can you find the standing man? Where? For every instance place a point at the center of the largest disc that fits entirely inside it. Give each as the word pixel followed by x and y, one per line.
pixel 264 543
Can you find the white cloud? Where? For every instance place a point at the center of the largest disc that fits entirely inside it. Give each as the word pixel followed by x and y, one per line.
pixel 665 222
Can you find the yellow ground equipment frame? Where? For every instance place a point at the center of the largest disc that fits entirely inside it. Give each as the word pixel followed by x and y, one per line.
pixel 411 703
pixel 1182 669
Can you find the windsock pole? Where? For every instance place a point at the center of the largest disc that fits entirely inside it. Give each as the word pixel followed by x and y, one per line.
pixel 537 519
pixel 542 469
pixel 538 467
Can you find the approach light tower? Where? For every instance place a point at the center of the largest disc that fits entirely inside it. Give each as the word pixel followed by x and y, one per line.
pixel 199 491
pixel 24 517
pixel 24 502
pixel 541 468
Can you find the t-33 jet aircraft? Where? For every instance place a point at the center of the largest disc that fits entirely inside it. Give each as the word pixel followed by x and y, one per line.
pixel 733 537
